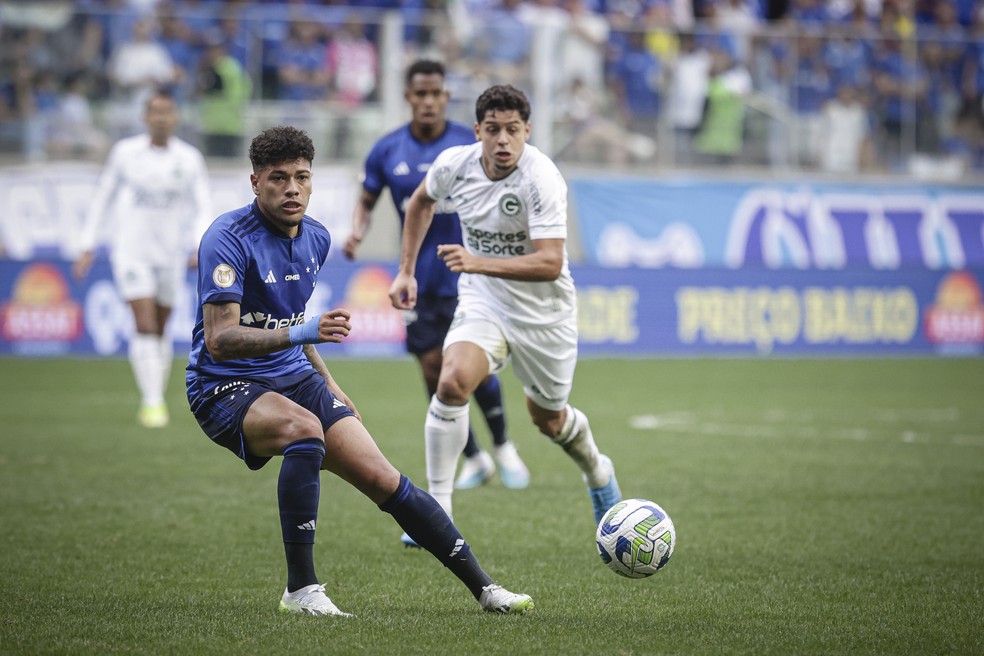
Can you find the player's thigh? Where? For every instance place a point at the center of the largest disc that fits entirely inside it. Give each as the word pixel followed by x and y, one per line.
pixel 544 360
pixel 352 455
pixel 273 421
pixel 146 319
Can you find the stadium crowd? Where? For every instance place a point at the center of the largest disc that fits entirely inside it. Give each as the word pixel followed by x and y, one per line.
pixel 832 85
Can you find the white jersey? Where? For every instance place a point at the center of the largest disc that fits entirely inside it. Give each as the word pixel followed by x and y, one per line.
pixel 156 200
pixel 500 219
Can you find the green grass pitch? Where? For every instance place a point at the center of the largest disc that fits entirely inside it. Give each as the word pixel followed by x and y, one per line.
pixel 822 507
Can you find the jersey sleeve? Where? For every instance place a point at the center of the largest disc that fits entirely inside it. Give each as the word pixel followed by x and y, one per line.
pixel 546 197
pixel 222 265
pixel 99 208
pixel 440 176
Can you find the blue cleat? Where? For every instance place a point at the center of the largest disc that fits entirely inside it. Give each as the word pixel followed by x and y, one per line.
pixel 603 498
pixel 408 542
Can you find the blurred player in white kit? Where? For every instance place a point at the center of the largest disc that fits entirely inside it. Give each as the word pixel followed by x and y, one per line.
pixel 154 194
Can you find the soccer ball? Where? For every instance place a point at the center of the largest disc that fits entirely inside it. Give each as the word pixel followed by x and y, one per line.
pixel 635 538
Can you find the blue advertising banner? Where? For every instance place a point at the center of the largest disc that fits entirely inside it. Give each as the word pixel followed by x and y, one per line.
pixel 629 311
pixel 690 225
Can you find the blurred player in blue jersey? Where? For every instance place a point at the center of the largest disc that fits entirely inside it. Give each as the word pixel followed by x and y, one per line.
pixel 399 161
pixel 257 385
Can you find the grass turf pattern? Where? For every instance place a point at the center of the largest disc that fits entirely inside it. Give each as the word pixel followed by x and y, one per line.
pixel 821 506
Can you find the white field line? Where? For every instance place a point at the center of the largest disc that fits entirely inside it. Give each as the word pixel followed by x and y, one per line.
pixel 799 425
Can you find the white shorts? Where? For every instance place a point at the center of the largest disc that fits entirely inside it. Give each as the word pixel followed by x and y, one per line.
pixel 140 280
pixel 543 358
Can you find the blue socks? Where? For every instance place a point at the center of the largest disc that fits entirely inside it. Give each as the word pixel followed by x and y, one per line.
pixel 489 398
pixel 425 521
pixel 298 493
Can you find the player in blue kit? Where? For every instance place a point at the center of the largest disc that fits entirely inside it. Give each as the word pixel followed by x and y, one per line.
pixel 399 161
pixel 257 385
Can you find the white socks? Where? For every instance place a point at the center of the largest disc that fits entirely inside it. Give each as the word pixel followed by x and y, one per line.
pixel 150 357
pixel 576 439
pixel 445 435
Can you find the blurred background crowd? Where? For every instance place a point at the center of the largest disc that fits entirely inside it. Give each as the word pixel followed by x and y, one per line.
pixel 889 87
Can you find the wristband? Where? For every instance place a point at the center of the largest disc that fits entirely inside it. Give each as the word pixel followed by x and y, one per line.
pixel 304 333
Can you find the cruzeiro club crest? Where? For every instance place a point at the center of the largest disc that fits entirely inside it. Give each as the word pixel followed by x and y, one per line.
pixel 510 205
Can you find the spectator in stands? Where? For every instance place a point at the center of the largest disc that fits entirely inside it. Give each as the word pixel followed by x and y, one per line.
pixel 500 50
pixel 137 68
pixel 236 37
pixel 844 122
pixel 74 132
pixel 351 63
pixel 721 134
pixel 901 94
pixel 224 88
pixel 738 20
pixel 582 46
pixel 301 67
pixel 177 39
pixel 812 87
pixel 689 74
pixel 636 83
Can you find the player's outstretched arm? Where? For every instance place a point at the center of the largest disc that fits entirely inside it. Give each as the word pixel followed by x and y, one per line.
pixel 226 339
pixel 420 214
pixel 361 220
pixel 544 264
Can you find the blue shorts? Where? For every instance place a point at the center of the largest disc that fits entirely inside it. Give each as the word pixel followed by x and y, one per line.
pixel 433 315
pixel 220 406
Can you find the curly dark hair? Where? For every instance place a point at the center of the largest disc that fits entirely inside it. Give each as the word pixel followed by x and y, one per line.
pixel 502 97
pixel 278 145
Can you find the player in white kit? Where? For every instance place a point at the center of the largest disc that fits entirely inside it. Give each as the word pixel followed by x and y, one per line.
pixel 516 295
pixel 154 191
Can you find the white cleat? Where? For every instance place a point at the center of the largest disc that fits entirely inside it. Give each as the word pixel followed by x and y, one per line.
pixel 496 599
pixel 310 600
pixel 512 469
pixel 475 471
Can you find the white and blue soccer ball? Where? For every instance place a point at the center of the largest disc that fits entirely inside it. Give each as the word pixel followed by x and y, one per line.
pixel 636 538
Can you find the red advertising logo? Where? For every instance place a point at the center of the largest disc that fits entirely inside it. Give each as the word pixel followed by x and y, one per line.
pixel 957 316
pixel 374 319
pixel 40 308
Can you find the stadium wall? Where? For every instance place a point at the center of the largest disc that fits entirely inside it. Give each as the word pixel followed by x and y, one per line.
pixel 663 267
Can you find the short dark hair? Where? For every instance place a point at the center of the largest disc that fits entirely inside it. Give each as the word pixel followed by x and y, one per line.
pixel 424 67
pixel 502 97
pixel 159 92
pixel 278 145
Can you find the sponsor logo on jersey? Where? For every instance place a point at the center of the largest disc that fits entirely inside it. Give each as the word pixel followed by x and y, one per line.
pixel 223 276
pixel 270 322
pixel 486 242
pixel 270 278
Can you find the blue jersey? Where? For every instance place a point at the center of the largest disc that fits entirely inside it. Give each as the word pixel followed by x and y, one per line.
pixel 399 161
pixel 244 259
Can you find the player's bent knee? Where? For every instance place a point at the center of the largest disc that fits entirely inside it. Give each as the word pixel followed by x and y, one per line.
pixel 453 391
